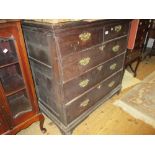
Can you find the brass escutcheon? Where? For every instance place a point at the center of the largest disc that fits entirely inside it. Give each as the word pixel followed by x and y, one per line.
pixel 101 48
pixel 111 84
pixel 84 103
pixel 99 86
pixel 84 61
pixel 84 83
pixel 115 48
pixel 113 66
pixel 118 28
pixel 85 36
pixel 99 68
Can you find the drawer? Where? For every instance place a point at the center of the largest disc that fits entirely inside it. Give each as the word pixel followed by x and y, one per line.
pixel 115 30
pixel 76 108
pixel 37 45
pixel 76 40
pixel 80 84
pixel 76 64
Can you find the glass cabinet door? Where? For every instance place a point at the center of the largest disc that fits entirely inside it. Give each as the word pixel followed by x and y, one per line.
pixel 7 52
pixel 12 80
pixel 19 103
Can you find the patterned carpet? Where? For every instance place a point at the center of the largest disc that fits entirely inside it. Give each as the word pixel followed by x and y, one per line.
pixel 140 100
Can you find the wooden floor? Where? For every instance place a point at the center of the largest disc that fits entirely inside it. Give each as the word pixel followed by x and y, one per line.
pixel 108 119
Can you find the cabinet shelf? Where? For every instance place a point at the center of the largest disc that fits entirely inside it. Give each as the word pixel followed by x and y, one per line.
pixel 19 104
pixel 15 91
pixel 9 64
pixel 7 61
pixel 13 84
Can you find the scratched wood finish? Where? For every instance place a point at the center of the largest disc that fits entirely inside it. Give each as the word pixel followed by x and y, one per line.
pixel 73 51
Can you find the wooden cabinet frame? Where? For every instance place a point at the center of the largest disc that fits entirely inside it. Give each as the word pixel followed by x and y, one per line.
pixel 12 29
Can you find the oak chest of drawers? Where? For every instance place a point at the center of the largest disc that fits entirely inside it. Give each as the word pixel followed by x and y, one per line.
pixel 75 65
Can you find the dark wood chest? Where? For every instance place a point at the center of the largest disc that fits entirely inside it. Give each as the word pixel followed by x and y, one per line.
pixel 76 66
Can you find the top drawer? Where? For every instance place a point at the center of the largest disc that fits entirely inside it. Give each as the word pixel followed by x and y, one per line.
pixel 79 39
pixel 115 30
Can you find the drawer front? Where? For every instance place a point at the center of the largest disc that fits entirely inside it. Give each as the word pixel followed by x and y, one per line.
pixel 77 64
pixel 74 109
pixel 115 30
pixel 79 85
pixel 79 39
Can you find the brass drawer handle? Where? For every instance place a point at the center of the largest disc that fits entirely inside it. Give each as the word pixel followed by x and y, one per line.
pixel 84 61
pixel 113 66
pixel 115 48
pixel 111 84
pixel 118 28
pixel 99 68
pixel 101 48
pixel 85 36
pixel 84 83
pixel 84 103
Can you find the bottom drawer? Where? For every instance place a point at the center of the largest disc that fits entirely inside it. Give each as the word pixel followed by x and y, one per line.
pixel 77 107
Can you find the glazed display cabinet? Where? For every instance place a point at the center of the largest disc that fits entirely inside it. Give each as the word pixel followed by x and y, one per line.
pixel 18 102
